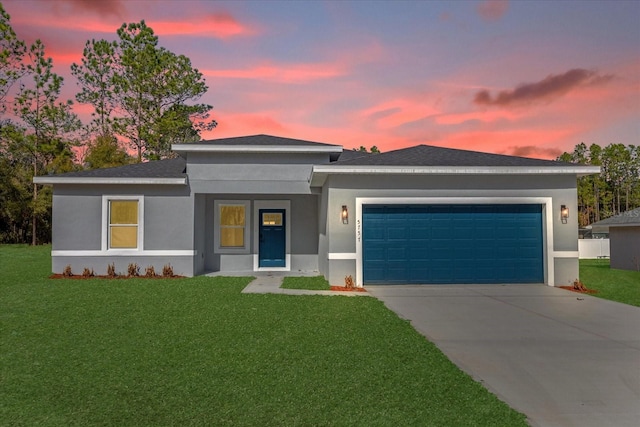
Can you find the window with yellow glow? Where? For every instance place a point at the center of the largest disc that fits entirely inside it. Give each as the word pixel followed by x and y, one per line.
pixel 123 224
pixel 272 218
pixel 232 226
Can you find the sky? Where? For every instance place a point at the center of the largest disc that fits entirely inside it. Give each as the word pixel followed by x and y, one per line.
pixel 526 78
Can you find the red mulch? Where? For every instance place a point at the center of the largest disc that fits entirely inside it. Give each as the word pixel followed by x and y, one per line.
pixel 80 276
pixel 343 288
pixel 572 289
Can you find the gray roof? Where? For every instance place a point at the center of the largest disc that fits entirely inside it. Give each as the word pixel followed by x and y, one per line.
pixel 427 155
pixel 352 154
pixel 631 217
pixel 421 155
pixel 259 140
pixel 169 168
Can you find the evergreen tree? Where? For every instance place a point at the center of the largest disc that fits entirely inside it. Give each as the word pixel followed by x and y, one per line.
pixel 48 125
pixel 140 91
pixel 11 54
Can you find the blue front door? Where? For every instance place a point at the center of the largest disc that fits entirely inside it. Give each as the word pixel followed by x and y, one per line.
pixel 273 239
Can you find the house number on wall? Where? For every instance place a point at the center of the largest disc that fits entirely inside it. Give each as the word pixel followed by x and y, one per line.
pixel 358 234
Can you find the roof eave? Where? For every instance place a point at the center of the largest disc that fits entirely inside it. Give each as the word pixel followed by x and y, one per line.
pixel 319 173
pixel 106 180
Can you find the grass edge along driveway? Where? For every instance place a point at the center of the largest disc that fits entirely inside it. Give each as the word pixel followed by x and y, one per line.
pixel 197 351
pixel 612 284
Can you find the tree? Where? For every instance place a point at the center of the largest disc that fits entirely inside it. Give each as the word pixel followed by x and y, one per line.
pixel 615 189
pixel 104 152
pixel 615 170
pixel 15 187
pixel 13 50
pixel 95 77
pixel 363 149
pixel 48 124
pixel 146 87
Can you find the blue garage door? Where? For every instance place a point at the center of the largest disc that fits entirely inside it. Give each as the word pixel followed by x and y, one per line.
pixel 452 244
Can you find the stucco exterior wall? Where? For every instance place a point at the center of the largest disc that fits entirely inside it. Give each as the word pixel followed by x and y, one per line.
pixel 561 254
pixel 625 247
pixel 260 173
pixel 78 228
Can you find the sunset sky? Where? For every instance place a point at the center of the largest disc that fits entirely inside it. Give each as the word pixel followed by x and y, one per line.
pixel 523 77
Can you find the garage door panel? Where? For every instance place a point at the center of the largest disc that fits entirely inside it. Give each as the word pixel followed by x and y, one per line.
pixel 397 254
pixel 452 244
pixel 397 233
pixel 375 254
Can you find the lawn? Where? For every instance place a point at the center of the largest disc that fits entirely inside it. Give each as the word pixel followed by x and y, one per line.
pixel 616 285
pixel 198 352
pixel 317 283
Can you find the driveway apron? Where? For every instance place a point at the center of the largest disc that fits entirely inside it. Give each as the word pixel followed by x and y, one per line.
pixel 561 358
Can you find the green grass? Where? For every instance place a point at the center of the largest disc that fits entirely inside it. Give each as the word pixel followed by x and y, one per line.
pixel 198 352
pixel 318 283
pixel 616 285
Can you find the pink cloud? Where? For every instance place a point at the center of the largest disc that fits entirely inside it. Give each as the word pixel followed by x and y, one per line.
pixel 215 25
pixel 492 10
pixel 532 142
pixel 235 124
pixel 282 73
pixel 69 23
pixel 533 151
pixel 394 113
pixel 218 25
pixel 480 116
pixel 101 8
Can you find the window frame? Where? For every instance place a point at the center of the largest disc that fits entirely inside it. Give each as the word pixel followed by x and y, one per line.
pixel 217 216
pixel 106 225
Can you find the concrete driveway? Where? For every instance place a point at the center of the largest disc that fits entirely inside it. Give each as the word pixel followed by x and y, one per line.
pixel 561 358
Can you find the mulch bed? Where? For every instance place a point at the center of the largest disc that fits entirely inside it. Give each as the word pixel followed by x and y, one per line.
pixel 80 276
pixel 579 291
pixel 343 288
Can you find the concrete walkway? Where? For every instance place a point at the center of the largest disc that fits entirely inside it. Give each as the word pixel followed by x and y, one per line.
pixel 270 284
pixel 561 358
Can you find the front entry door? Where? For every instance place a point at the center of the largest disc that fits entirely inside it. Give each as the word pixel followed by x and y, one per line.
pixel 273 239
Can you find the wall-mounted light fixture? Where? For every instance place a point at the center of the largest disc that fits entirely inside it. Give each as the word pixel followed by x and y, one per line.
pixel 344 215
pixel 564 213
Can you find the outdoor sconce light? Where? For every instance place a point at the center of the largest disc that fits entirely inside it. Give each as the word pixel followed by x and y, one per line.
pixel 564 213
pixel 344 214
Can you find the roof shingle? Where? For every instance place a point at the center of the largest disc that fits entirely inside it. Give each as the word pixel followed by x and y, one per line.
pixel 631 217
pixel 426 155
pixel 168 168
pixel 260 140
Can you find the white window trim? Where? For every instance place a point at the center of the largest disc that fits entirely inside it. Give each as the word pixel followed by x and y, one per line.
pixel 247 229
pixel 549 254
pixel 271 204
pixel 105 225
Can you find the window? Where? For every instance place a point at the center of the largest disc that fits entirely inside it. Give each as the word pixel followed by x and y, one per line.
pixel 272 218
pixel 122 221
pixel 232 226
pixel 123 224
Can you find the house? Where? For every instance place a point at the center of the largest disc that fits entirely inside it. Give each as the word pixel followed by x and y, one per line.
pixel 419 215
pixel 624 239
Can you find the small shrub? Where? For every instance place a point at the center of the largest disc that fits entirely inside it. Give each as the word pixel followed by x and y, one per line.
pixel 348 282
pixel 67 271
pixel 150 271
pixel 167 271
pixel 88 273
pixel 133 270
pixel 111 270
pixel 579 286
